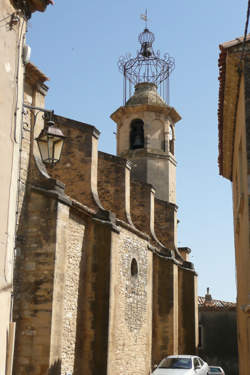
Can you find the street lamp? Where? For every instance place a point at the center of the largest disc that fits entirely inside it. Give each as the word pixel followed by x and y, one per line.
pixel 51 139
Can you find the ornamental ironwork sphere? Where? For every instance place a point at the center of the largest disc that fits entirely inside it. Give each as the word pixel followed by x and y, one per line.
pixel 147 66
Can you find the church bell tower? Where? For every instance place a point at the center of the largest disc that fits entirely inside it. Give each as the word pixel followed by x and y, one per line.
pixel 146 122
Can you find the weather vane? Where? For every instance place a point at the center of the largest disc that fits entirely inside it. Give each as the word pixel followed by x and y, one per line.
pixel 144 17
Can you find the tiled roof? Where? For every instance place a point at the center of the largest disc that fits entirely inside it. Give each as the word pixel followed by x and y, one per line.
pixel 215 305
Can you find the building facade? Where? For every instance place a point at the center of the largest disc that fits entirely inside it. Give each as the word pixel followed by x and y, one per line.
pixel 99 284
pixel 234 161
pixel 14 52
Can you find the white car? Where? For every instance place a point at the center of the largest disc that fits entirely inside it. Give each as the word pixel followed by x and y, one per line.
pixel 182 365
pixel 215 370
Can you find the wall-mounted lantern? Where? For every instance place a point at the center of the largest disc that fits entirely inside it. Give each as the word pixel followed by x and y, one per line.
pixel 50 140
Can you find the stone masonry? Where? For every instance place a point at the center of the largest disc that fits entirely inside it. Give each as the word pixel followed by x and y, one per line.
pixel 100 286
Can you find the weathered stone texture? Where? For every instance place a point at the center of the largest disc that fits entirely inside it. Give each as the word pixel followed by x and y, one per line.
pixel 76 228
pixel 34 274
pixel 93 301
pixel 165 222
pixel 78 164
pixel 247 110
pixel 140 205
pixel 164 301
pixel 187 315
pixel 112 184
pixel 130 306
pixel 92 297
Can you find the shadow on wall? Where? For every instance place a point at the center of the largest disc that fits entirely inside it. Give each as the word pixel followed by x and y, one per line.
pixel 55 369
pixel 220 341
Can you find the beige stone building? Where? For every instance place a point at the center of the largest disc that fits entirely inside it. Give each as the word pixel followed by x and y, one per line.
pixel 13 53
pixel 234 159
pixel 100 285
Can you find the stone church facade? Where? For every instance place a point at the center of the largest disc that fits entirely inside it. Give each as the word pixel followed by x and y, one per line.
pixel 100 286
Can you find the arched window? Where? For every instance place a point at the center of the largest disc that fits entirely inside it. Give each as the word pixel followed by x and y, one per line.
pixel 134 268
pixel 136 134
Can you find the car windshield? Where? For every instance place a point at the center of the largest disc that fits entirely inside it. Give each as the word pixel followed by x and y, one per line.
pixel 214 369
pixel 182 363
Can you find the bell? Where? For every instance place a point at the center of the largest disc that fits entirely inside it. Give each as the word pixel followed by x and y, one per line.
pixel 138 143
pixel 146 49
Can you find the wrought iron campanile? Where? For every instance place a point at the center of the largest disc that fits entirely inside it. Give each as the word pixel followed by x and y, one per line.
pixel 147 66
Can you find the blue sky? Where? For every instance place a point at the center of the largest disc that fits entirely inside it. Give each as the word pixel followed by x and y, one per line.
pixel 78 43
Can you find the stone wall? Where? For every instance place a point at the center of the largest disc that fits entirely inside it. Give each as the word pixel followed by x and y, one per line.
pixel 187 312
pixel 74 254
pixel 112 185
pixel 78 164
pixel 34 279
pixel 93 301
pixel 141 205
pixel 130 305
pixel 111 293
pixel 165 222
pixel 165 309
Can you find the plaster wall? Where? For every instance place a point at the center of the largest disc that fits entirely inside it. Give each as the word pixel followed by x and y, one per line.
pixel 241 222
pixel 11 86
pixel 130 315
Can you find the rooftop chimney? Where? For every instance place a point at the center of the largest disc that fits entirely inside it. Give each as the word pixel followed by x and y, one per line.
pixel 208 297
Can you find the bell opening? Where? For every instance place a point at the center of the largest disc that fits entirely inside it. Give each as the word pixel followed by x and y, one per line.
pixel 136 134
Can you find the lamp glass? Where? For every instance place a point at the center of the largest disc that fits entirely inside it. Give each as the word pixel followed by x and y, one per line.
pixel 50 146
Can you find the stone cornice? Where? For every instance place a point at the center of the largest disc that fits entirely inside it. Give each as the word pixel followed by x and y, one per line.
pixel 124 110
pixel 149 153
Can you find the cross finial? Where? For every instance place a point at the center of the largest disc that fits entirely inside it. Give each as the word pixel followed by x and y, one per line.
pixel 144 17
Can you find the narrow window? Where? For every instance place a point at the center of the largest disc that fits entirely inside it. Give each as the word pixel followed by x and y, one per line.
pixel 134 268
pixel 171 140
pixel 136 134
